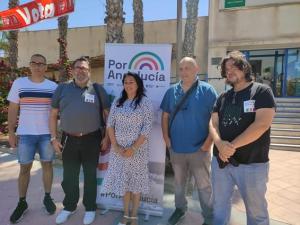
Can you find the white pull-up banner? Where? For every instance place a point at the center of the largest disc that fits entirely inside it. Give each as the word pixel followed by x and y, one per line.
pixel 152 62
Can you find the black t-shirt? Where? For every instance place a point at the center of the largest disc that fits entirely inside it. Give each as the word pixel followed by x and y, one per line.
pixel 236 111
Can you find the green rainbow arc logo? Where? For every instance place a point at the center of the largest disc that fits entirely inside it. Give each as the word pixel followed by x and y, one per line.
pixel 148 60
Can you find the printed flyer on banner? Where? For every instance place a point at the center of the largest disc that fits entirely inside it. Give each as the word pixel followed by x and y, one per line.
pixel 152 62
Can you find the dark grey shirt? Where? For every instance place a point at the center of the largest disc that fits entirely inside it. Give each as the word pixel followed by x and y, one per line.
pixel 79 107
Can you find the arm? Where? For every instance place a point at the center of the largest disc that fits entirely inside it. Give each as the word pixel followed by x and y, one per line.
pixel 115 146
pixel 13 111
pixel 53 129
pixel 212 96
pixel 110 128
pixel 214 128
pixel 129 152
pixel 225 148
pixel 145 129
pixel 165 128
pixel 207 144
pixel 262 122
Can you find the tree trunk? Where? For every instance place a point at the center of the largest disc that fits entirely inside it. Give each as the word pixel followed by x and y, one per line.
pixel 63 56
pixel 138 22
pixel 190 28
pixel 114 20
pixel 13 45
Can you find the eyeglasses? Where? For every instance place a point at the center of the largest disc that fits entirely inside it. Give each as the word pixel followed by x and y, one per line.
pixel 37 64
pixel 82 68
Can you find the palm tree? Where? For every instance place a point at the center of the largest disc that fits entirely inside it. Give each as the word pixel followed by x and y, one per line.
pixel 13 45
pixel 190 27
pixel 4 44
pixel 64 72
pixel 138 22
pixel 114 20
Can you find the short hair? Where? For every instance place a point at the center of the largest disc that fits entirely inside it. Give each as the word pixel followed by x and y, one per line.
pixel 188 59
pixel 39 55
pixel 81 59
pixel 239 61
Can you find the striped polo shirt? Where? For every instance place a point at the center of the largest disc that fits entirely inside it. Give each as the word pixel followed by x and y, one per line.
pixel 34 100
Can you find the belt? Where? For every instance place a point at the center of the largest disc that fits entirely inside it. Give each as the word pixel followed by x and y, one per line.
pixel 81 134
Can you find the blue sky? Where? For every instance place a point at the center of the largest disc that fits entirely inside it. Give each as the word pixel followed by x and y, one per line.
pixel 92 12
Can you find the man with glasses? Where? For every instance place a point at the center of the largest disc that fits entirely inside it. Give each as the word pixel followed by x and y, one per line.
pixel 240 128
pixel 186 113
pixel 30 98
pixel 80 109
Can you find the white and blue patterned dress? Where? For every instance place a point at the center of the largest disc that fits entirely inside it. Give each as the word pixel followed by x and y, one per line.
pixel 129 174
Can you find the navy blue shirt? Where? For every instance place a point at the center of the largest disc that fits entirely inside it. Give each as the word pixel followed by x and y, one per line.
pixel 190 125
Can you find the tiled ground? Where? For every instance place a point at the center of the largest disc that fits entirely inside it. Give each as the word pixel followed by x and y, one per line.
pixel 283 195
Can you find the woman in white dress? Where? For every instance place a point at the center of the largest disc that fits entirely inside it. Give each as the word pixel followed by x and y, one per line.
pixel 129 126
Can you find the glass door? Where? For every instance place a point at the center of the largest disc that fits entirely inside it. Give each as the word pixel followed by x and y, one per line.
pixel 278 74
pixel 268 68
pixel 293 73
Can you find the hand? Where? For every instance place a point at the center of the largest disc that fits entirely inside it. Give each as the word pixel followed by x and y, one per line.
pixel 225 148
pixel 104 144
pixel 168 142
pixel 129 152
pixel 13 140
pixel 223 158
pixel 57 145
pixel 205 148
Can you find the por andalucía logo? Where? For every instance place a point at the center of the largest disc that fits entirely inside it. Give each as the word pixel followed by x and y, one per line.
pixel 148 65
pixel 146 60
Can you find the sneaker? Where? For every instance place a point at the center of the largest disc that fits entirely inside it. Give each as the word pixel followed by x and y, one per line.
pixel 89 217
pixel 63 216
pixel 49 205
pixel 19 212
pixel 177 215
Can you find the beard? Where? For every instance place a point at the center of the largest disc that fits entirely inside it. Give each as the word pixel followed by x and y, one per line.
pixel 81 78
pixel 232 83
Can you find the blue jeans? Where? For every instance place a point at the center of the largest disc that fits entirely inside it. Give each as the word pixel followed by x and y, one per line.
pixel 251 181
pixel 28 145
pixel 198 163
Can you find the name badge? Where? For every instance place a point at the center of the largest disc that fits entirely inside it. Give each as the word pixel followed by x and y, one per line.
pixel 249 106
pixel 89 98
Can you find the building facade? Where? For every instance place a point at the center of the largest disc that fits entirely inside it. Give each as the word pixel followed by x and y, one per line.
pixel 90 41
pixel 268 32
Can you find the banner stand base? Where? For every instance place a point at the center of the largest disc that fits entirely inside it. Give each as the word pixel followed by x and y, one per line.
pixel 147 215
pixel 104 211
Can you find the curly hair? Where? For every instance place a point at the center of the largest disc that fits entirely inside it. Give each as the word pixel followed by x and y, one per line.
pixel 140 93
pixel 239 61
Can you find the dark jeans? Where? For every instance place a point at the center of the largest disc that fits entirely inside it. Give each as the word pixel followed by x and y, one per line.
pixel 79 151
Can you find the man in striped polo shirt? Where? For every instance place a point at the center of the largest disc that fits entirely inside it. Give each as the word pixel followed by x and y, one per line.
pixel 30 98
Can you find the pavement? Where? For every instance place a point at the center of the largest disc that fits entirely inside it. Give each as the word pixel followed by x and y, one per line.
pixel 283 195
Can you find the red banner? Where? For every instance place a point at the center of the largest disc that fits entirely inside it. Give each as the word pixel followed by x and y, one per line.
pixel 33 12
